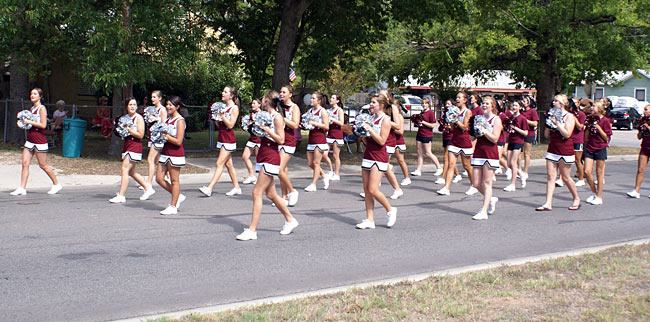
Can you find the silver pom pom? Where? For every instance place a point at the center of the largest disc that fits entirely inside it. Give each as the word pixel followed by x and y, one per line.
pixel 158 131
pixel 262 119
pixel 359 129
pixel 554 113
pixel 304 121
pixel 452 114
pixel 245 122
pixel 219 107
pixel 25 115
pixel 123 123
pixel 333 116
pixel 151 114
pixel 481 125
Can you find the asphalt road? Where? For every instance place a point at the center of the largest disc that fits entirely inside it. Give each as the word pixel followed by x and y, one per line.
pixel 75 257
pixel 625 138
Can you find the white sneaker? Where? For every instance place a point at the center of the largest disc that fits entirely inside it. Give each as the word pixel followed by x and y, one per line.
pixel 326 182
pixel 416 173
pixel 366 224
pixel 509 174
pixel 471 191
pixel 498 171
pixel 117 199
pixel 440 181
pixel 438 172
pixel 397 194
pixel 559 183
pixel 247 235
pixel 457 179
pixel 250 180
pixel 147 193
pixel 330 175
pixel 286 203
pixel 510 188
pixel 443 192
pixel 465 173
pixel 494 178
pixel 481 215
pixel 591 197
pixel 634 194
pixel 206 191
pixel 170 210
pixel 405 182
pixel 181 198
pixel 524 177
pixel 493 205
pixel 596 201
pixel 362 195
pixel 233 191
pixel 141 188
pixel 288 227
pixel 580 183
pixel 19 192
pixel 391 217
pixel 311 188
pixel 55 188
pixel 293 198
pixel 335 178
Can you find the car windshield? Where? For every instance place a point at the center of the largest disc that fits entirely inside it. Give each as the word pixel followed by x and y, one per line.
pixel 626 102
pixel 415 100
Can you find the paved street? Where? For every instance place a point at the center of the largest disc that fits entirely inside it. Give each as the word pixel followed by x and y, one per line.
pixel 625 138
pixel 75 257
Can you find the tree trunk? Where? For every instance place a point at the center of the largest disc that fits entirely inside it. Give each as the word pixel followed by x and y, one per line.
pixel 18 89
pixel 547 87
pixel 119 95
pixel 292 11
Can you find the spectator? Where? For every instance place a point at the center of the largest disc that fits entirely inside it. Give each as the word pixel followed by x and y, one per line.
pixel 59 115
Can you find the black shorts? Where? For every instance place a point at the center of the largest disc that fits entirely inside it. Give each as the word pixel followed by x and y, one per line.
pixel 597 155
pixel 530 139
pixel 501 143
pixel 423 139
pixel 445 143
pixel 515 146
pixel 578 147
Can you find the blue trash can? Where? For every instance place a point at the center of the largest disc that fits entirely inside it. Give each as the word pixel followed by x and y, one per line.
pixel 74 130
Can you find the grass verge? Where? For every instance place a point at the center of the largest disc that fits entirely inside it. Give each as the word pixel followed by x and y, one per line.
pixel 612 285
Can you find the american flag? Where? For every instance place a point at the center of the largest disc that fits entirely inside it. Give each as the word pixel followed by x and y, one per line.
pixel 292 75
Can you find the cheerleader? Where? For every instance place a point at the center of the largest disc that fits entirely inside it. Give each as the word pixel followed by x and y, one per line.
pixel 475 104
pixel 226 143
pixel 486 158
pixel 252 146
pixel 391 143
pixel 131 152
pixel 288 148
pixel 154 149
pixel 461 144
pixel 268 166
pixel 559 155
pixel 424 137
pixel 447 134
pixel 335 136
pixel 317 142
pixel 375 162
pixel 519 131
pixel 400 147
pixel 584 105
pixel 36 143
pixel 172 156
pixel 503 139
pixel 644 153
pixel 597 139
pixel 533 119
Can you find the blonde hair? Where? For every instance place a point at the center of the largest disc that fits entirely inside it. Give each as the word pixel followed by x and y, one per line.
pixel 495 109
pixel 601 105
pixel 383 100
pixel 426 100
pixel 562 99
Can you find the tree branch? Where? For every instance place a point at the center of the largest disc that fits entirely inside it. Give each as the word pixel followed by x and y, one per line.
pixel 512 15
pixel 436 45
pixel 594 21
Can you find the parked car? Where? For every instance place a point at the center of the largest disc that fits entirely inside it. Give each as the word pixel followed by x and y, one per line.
pixel 624 117
pixel 353 111
pixel 411 104
pixel 625 102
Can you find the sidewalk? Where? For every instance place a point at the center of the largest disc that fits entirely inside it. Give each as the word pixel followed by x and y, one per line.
pixel 10 174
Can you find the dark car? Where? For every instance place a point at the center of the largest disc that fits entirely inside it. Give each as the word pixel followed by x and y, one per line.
pixel 624 117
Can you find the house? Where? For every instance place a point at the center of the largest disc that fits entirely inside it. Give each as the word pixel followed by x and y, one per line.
pixel 620 84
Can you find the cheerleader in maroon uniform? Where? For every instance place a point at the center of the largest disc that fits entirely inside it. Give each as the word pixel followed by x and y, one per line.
pixel 559 155
pixel 424 137
pixel 36 143
pixel 131 151
pixel 447 134
pixel 375 163
pixel 288 148
pixel 598 135
pixel 268 166
pixel 317 143
pixel 503 139
pixel 584 106
pixel 335 136
pixel 475 104
pixel 172 156
pixel 391 142
pixel 486 158
pixel 226 142
pixel 644 153
pixel 519 130
pixel 154 149
pixel 461 144
pixel 533 119
pixel 252 146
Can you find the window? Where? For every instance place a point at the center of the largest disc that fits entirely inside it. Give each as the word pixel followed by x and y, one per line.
pixel 599 93
pixel 639 94
pixel 414 100
pixel 85 89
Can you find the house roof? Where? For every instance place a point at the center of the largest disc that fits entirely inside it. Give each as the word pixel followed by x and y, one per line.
pixel 622 77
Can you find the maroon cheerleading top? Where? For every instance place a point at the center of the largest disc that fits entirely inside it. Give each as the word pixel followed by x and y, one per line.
pixel 268 152
pixel 335 131
pixel 477 110
pixel 461 138
pixel 35 134
pixel 170 149
pixel 317 135
pixel 374 151
pixel 503 137
pixel 520 122
pixel 560 145
pixel 289 135
pixel 578 136
pixel 595 141
pixel 424 131
pixel 531 115
pixel 226 135
pixel 645 140
pixel 253 138
pixel 131 144
pixel 485 149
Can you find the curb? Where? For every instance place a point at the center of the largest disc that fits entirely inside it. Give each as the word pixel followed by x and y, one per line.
pixel 384 282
